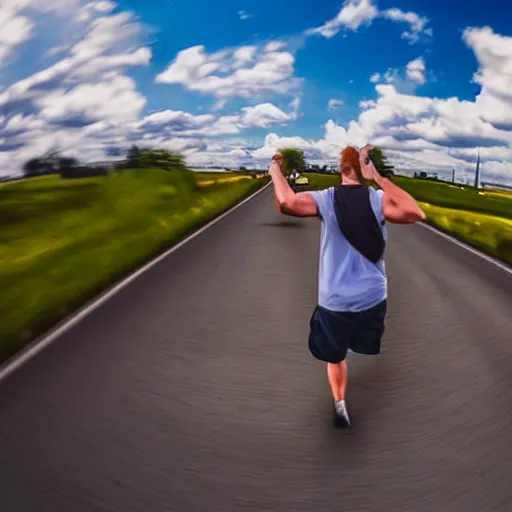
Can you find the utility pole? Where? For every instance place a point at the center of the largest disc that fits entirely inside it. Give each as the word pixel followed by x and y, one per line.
pixel 453 176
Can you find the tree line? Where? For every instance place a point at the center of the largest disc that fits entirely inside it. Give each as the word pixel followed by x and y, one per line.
pixel 54 162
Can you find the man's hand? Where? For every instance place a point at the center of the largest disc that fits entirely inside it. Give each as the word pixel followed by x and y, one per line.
pixel 277 161
pixel 287 201
pixel 368 169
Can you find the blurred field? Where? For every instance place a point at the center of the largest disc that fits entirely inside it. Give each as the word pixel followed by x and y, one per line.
pixel 208 179
pixel 321 181
pixel 64 241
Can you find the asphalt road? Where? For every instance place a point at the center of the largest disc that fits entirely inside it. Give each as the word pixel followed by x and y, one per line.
pixel 193 389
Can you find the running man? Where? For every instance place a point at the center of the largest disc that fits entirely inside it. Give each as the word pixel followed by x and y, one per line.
pixel 352 281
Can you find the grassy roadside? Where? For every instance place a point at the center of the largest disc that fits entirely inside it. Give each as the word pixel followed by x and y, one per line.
pixel 458 197
pixel 482 219
pixel 489 233
pixel 63 242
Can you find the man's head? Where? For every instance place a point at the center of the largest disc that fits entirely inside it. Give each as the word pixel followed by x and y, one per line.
pixel 350 166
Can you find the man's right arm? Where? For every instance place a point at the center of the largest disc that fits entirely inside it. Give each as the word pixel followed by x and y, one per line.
pixel 398 206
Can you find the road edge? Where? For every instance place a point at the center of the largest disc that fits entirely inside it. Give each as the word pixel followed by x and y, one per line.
pixel 46 339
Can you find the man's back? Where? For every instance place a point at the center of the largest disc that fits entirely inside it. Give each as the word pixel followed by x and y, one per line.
pixel 347 281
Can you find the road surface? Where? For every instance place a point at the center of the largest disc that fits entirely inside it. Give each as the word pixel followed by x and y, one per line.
pixel 193 389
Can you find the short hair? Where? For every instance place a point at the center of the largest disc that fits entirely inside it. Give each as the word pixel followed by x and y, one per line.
pixel 350 159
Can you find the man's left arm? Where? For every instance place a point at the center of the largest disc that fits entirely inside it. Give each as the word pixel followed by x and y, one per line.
pixel 287 201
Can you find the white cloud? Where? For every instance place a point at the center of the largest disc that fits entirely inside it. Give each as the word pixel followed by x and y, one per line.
pixel 415 70
pixel 494 55
pixel 18 21
pixel 264 115
pixel 14 29
pixel 88 10
pixel 186 124
pixel 105 41
pixel 295 106
pixel 244 15
pixel 417 24
pixel 114 99
pixel 335 104
pixel 244 56
pixel 274 46
pixel 84 102
pixel 413 75
pixel 246 72
pixel 421 133
pixel 353 14
pixel 220 104
pixel 180 117
pixel 365 104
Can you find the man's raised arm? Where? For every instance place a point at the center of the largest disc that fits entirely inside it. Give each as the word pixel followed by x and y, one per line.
pixel 287 201
pixel 398 206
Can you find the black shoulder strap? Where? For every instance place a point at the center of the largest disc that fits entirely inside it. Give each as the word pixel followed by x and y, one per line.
pixel 358 222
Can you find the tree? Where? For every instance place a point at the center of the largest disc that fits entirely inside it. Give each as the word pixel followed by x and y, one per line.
pixel 49 163
pixel 34 167
pixel 133 155
pixel 161 159
pixel 293 159
pixel 67 162
pixel 381 162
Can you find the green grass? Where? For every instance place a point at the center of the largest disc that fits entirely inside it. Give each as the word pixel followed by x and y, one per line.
pixel 489 233
pixel 457 197
pixel 321 181
pixel 64 241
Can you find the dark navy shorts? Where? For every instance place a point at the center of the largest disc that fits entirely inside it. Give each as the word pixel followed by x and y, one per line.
pixel 333 333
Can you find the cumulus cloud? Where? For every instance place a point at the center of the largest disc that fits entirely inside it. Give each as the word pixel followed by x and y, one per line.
pixel 264 115
pixel 422 133
pixel 114 99
pixel 17 23
pixel 417 132
pixel 356 13
pixel 415 70
pixel 494 56
pixel 87 104
pixel 186 124
pixel 83 101
pixel 406 79
pixel 240 72
pixel 353 14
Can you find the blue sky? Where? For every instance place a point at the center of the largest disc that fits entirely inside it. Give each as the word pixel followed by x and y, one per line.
pixel 227 83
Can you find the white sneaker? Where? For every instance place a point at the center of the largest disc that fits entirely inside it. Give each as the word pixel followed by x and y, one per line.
pixel 341 414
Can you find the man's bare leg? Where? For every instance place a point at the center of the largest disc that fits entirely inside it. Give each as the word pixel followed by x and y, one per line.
pixel 338 376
